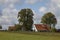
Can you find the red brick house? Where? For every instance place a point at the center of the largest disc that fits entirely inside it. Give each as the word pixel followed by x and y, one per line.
pixel 40 27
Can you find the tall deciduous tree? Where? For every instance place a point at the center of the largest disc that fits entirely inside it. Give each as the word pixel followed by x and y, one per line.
pixel 49 19
pixel 25 18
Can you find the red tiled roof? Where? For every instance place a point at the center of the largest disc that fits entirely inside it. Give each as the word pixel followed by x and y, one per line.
pixel 41 27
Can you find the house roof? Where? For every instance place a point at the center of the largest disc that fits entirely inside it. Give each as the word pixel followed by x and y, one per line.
pixel 42 27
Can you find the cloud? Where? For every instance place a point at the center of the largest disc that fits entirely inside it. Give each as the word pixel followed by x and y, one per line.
pixel 9 1
pixel 9 15
pixel 42 9
pixel 31 1
pixel 56 1
pixel 9 12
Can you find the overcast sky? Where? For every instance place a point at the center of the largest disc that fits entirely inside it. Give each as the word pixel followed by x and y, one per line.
pixel 9 10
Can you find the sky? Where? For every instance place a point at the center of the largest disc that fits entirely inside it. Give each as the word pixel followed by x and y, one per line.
pixel 9 10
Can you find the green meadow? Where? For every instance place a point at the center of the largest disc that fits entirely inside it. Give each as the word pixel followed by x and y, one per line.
pixel 29 36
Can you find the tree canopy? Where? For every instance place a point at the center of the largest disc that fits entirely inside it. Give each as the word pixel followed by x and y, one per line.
pixel 25 18
pixel 49 19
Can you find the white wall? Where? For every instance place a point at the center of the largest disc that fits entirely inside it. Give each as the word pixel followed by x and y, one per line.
pixel 34 28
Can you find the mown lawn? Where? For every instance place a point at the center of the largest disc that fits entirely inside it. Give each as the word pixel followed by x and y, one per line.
pixel 29 36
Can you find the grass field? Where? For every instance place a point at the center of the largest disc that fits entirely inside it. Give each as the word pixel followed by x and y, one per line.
pixel 29 36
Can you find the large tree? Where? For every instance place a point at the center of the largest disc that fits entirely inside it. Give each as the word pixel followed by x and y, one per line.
pixel 25 18
pixel 49 19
